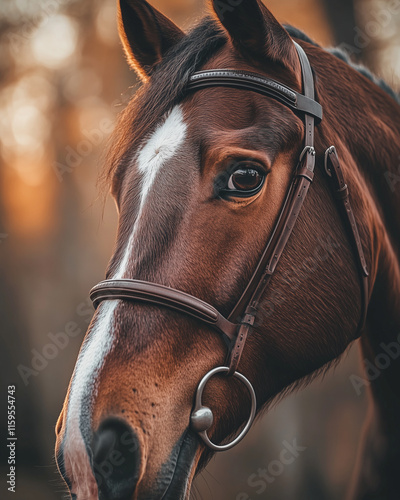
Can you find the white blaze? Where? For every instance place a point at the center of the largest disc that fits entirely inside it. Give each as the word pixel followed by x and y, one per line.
pixel 162 145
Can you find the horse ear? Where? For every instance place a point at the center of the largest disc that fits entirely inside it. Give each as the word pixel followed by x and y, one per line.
pixel 146 34
pixel 255 32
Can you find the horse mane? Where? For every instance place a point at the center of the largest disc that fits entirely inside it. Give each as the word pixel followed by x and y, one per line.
pixel 166 88
pixel 345 57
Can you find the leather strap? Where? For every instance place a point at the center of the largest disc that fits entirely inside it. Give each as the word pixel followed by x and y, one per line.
pixel 291 209
pixel 161 295
pixel 250 81
pixel 341 190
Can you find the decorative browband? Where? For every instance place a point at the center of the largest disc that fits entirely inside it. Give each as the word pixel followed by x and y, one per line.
pixel 249 81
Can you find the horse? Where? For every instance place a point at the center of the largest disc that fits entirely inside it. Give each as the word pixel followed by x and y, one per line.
pixel 201 179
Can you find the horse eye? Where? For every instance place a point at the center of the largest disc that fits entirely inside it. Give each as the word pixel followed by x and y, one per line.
pixel 245 181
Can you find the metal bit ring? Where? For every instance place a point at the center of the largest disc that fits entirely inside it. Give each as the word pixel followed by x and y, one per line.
pixel 202 417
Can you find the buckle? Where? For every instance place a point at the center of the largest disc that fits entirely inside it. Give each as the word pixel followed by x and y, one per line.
pixel 307 150
pixel 328 152
pixel 305 171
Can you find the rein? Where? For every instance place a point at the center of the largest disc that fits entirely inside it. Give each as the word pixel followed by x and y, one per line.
pixel 237 331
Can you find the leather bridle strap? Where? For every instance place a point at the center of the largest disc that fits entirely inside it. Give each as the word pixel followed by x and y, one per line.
pixel 153 293
pixel 291 209
pixel 341 191
pixel 302 178
pixel 244 80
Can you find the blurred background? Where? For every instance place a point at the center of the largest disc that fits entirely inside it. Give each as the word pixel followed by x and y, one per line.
pixel 63 80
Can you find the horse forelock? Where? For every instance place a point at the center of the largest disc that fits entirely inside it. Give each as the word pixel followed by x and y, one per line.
pixel 160 94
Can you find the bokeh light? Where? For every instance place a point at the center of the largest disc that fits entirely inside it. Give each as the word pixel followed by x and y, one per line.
pixel 25 126
pixel 55 41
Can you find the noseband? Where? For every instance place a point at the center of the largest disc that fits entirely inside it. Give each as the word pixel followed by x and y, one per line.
pixel 236 331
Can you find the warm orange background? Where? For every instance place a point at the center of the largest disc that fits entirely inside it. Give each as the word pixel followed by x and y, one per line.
pixel 63 81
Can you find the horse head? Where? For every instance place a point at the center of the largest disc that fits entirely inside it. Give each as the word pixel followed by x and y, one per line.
pixel 199 180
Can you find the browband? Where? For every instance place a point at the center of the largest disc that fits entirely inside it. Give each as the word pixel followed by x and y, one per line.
pixel 250 81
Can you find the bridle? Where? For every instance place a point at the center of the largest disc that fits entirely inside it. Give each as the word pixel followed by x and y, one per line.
pixel 237 331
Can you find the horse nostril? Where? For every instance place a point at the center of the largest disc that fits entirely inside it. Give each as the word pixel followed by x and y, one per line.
pixel 115 459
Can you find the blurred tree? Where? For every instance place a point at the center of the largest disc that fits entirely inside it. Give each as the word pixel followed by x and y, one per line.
pixel 377 35
pixel 341 17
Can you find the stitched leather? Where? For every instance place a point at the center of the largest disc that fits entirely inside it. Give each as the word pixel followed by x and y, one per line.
pixel 161 295
pixel 256 83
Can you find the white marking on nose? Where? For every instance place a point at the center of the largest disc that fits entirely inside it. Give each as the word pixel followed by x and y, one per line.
pixel 89 362
pixel 161 147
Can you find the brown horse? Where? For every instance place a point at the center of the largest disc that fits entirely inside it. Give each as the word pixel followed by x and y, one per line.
pixel 199 180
